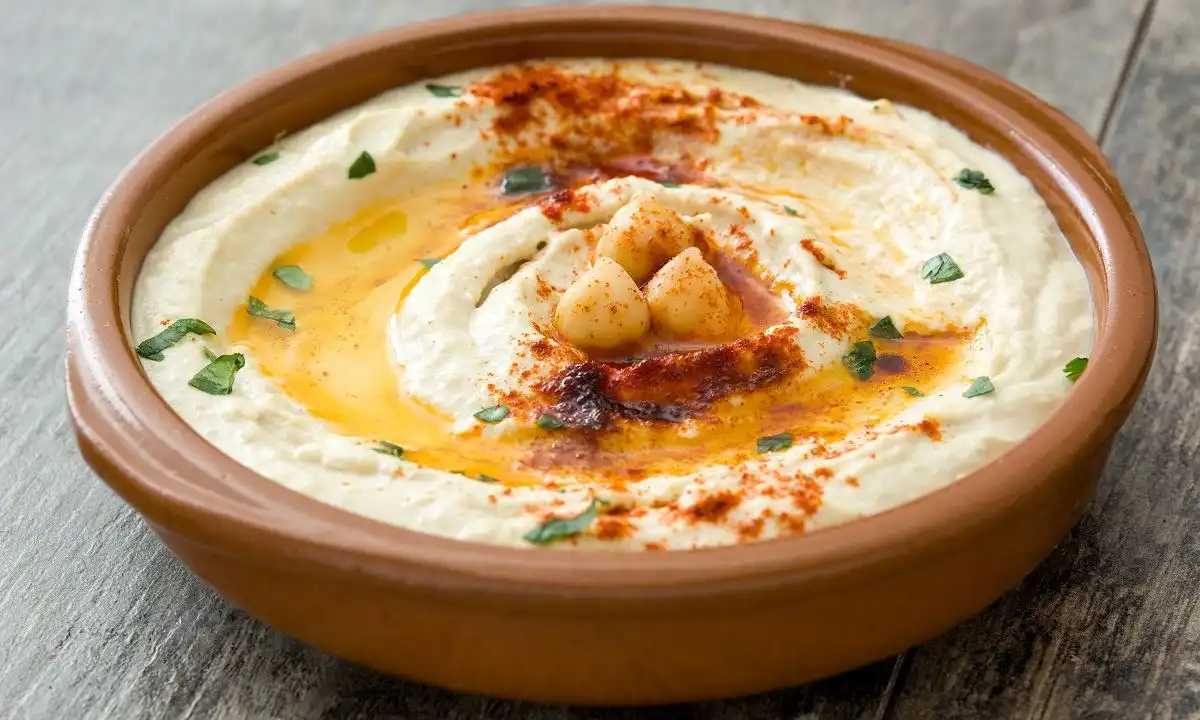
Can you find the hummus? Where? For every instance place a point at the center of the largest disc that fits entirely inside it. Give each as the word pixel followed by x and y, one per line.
pixel 615 304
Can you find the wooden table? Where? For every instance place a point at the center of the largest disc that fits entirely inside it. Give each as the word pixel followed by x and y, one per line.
pixel 97 620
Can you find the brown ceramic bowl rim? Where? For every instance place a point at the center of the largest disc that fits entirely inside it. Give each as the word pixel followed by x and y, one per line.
pixel 185 485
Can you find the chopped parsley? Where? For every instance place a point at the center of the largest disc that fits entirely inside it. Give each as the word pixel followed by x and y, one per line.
pixel 558 528
pixel 774 443
pixel 524 180
pixel 493 414
pixel 974 180
pixel 790 210
pixel 885 329
pixel 389 448
pixel 546 421
pixel 266 158
pixel 912 391
pixel 258 308
pixel 481 477
pixel 861 360
pixel 941 268
pixel 293 276
pixel 443 91
pixel 1075 368
pixel 152 348
pixel 429 262
pixel 209 354
pixel 981 385
pixel 362 166
pixel 216 378
pixel 668 183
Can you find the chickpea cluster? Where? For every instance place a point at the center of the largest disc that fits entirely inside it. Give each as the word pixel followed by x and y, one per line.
pixel 647 273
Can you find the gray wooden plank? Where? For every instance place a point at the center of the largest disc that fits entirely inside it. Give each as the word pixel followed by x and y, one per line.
pixel 1110 625
pixel 98 619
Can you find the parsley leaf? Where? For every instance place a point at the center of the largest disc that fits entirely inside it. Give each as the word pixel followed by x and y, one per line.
pixel 266 158
pixel 790 210
pixel 481 477
pixel 861 360
pixel 293 276
pixel 258 308
pixel 429 262
pixel 493 414
pixel 885 329
pixel 981 385
pixel 362 166
pixel 912 391
pixel 524 180
pixel 546 421
pixel 1075 368
pixel 216 378
pixel 388 448
pixel 443 91
pixel 774 443
pixel 974 180
pixel 941 268
pixel 558 528
pixel 152 348
pixel 668 184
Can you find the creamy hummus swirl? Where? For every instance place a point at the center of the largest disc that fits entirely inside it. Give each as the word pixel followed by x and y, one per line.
pixel 830 203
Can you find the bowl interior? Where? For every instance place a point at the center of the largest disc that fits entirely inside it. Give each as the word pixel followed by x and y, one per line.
pixel 154 460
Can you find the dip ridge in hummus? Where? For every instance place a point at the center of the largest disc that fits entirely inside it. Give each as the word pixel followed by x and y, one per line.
pixel 636 304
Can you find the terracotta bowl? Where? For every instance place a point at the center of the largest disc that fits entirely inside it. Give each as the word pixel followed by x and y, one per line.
pixel 591 626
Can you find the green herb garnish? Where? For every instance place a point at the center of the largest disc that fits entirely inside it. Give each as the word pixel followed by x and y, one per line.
pixel 389 448
pixel 216 378
pixel 790 210
pixel 558 528
pixel 885 329
pixel 981 385
pixel 209 354
pixel 266 158
pixel 486 478
pixel 525 180
pixel 774 443
pixel 546 421
pixel 258 308
pixel 443 91
pixel 429 262
pixel 152 348
pixel 363 166
pixel 1075 368
pixel 941 268
pixel 293 276
pixel 974 180
pixel 668 184
pixel 493 414
pixel 913 391
pixel 861 360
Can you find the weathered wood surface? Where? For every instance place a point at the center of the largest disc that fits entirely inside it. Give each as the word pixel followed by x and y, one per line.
pixel 97 620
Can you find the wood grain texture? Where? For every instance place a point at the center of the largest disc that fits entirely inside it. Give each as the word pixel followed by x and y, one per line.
pixel 97 620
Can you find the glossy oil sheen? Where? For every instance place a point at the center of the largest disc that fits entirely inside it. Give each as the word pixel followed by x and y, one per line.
pixel 336 366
